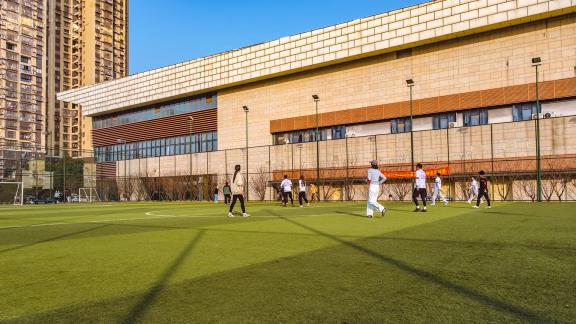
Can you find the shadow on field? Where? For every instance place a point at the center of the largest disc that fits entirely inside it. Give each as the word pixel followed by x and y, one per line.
pixel 462 290
pixel 148 299
pixel 56 238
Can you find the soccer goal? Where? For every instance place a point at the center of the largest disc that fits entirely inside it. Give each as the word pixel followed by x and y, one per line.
pixel 88 195
pixel 12 193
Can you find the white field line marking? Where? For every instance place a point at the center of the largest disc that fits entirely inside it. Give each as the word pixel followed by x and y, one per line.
pixel 149 214
pixel 219 215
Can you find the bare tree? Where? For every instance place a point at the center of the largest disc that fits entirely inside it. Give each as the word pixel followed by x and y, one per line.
pixel 528 188
pixel 260 183
pixel 400 189
pixel 503 187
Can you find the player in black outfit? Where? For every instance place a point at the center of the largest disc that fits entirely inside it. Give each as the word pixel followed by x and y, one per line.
pixel 483 191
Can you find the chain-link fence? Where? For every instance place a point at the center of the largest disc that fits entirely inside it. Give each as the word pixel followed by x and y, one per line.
pixel 506 152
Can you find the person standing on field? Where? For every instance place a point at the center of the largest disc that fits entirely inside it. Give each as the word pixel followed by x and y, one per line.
pixel 216 191
pixel 314 193
pixel 302 192
pixel 473 190
pixel 438 191
pixel 238 187
pixel 483 191
pixel 227 191
pixel 375 179
pixel 420 188
pixel 286 186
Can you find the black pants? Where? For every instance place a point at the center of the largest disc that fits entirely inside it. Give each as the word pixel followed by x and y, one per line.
pixel 419 192
pixel 302 196
pixel 241 198
pixel 483 193
pixel 226 198
pixel 285 196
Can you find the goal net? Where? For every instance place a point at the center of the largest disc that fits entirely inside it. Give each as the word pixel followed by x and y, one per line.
pixel 11 193
pixel 88 195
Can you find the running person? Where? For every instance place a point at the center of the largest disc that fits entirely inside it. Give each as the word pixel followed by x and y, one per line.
pixel 375 179
pixel 286 187
pixel 314 193
pixel 438 190
pixel 483 192
pixel 420 188
pixel 238 186
pixel 302 192
pixel 473 190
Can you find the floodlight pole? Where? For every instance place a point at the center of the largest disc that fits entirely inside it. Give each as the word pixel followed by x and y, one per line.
pixel 246 110
pixel 316 101
pixel 536 62
pixel 191 133
pixel 410 84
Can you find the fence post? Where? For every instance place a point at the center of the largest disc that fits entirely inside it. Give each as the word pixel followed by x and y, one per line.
pixel 448 157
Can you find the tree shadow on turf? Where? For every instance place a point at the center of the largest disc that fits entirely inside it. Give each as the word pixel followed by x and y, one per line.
pixel 460 289
pixel 60 237
pixel 149 297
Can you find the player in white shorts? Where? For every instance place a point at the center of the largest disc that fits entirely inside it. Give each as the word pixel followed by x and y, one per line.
pixel 473 190
pixel 438 190
pixel 375 179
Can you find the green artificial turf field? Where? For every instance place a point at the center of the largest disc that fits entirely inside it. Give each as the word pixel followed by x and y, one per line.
pixel 184 262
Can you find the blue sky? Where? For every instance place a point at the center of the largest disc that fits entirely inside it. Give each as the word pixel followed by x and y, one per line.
pixel 171 31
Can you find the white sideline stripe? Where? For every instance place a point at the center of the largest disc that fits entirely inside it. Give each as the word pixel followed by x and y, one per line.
pixel 149 214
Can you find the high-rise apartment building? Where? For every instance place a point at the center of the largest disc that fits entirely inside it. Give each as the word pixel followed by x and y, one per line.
pixel 87 41
pixel 47 47
pixel 22 83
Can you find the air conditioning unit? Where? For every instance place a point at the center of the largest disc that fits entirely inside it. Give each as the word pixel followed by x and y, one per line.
pixel 454 125
pixel 351 134
pixel 550 115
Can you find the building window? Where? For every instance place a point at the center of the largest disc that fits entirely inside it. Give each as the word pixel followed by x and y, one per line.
pixel 400 125
pixel 11 46
pixel 338 132
pixel 523 111
pixel 476 117
pixel 443 121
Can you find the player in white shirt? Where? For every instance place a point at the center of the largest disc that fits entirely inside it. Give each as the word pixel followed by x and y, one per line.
pixel 302 192
pixel 375 179
pixel 473 190
pixel 286 186
pixel 420 188
pixel 438 190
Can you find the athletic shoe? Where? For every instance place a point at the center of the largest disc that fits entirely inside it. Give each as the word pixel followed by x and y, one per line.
pixel 489 207
pixel 370 216
pixel 469 201
pixel 424 210
pixel 384 212
pixel 245 215
pixel 301 206
pixel 445 203
pixel 230 215
pixel 475 207
pixel 417 210
pixel 307 204
pixel 432 204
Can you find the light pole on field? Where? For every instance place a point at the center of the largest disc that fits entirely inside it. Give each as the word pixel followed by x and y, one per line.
pixel 124 158
pixel 317 136
pixel 191 134
pixel 536 62
pixel 410 84
pixel 246 110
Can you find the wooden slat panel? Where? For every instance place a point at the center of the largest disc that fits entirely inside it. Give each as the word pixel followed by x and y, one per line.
pixel 468 100
pixel 106 170
pixel 204 121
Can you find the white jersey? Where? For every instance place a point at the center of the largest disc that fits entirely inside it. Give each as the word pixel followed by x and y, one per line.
pixel 474 185
pixel 420 179
pixel 376 177
pixel 286 185
pixel 302 185
pixel 437 183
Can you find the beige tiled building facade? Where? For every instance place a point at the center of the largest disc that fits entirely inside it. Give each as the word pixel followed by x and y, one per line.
pixel 47 47
pixel 473 95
